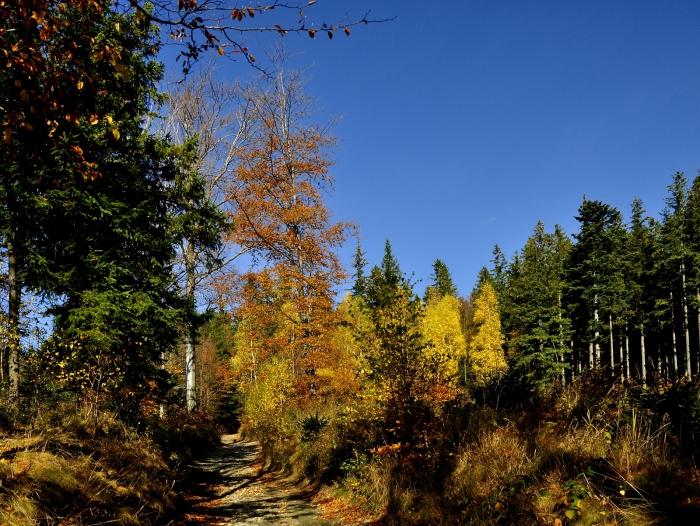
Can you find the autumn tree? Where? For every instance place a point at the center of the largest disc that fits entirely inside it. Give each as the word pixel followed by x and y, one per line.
pixel 397 360
pixel 442 330
pixel 486 347
pixel 286 229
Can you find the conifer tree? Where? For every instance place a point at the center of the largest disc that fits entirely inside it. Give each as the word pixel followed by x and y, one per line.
pixel 442 284
pixel 674 258
pixel 359 263
pixel 693 233
pixel 93 230
pixel 540 329
pixel 594 278
pixel 639 296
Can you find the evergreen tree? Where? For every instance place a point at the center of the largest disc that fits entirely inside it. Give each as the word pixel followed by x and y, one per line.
pixel 673 259
pixel 594 279
pixel 382 286
pixel 359 263
pixel 693 233
pixel 442 284
pixel 540 332
pixel 93 231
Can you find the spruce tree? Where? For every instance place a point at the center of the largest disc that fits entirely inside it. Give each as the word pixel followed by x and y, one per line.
pixel 594 279
pixel 442 284
pixel 674 259
pixel 541 331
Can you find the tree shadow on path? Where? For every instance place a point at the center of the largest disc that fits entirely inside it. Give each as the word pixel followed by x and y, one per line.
pixel 228 486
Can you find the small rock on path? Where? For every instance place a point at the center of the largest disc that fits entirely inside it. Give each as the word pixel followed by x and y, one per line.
pixel 230 488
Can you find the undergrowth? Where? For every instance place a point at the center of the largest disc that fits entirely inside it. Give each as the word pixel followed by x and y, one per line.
pixel 67 465
pixel 595 452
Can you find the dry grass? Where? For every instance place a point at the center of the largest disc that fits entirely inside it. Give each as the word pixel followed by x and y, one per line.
pixel 85 471
pixel 585 459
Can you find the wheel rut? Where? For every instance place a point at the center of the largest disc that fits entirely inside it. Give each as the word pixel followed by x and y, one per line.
pixel 230 488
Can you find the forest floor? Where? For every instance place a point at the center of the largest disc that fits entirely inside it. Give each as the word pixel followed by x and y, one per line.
pixel 230 487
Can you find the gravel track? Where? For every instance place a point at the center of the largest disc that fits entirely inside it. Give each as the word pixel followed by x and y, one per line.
pixel 230 488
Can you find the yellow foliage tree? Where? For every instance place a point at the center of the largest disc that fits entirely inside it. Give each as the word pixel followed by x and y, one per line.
pixel 267 403
pixel 486 348
pixel 441 328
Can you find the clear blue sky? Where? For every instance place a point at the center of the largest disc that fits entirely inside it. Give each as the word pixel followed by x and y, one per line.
pixel 465 122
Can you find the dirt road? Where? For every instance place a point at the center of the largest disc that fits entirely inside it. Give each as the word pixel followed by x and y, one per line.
pixel 229 488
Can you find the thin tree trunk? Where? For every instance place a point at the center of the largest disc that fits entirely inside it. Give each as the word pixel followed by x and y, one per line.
pixel 190 363
pixel 627 352
pixel 673 334
pixel 697 354
pixel 597 334
pixel 612 348
pixel 685 325
pixel 644 360
pixel 13 312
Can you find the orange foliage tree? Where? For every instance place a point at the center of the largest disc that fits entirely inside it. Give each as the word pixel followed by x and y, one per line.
pixel 285 302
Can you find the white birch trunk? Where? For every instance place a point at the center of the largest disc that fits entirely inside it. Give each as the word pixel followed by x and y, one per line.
pixel 190 359
pixel 13 317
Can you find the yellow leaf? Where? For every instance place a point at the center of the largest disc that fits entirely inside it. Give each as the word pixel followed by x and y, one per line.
pixel 116 26
pixel 570 514
pixel 80 84
pixel 622 492
pixel 557 522
pixel 116 133
pixel 7 133
pixel 220 50
pixel 109 119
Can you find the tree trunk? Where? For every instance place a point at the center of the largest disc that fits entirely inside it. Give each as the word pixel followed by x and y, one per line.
pixel 697 355
pixel 673 334
pixel 685 325
pixel 627 353
pixel 597 334
pixel 644 360
pixel 13 336
pixel 190 363
pixel 612 346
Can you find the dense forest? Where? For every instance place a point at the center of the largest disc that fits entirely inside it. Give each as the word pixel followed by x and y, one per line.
pixel 169 270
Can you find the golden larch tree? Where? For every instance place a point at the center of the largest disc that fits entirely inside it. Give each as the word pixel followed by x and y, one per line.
pixel 441 328
pixel 486 348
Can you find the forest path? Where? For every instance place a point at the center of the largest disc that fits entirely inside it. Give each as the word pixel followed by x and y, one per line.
pixel 230 488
